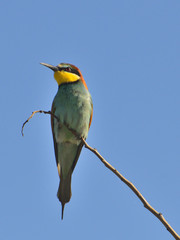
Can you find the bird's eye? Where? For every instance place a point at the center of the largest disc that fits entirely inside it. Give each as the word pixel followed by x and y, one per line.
pixel 68 69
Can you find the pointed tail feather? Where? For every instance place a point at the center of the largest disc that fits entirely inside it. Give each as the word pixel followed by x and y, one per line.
pixel 62 213
pixel 67 163
pixel 64 191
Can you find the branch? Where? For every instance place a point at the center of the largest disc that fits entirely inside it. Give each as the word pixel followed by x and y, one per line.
pixel 38 111
pixel 122 178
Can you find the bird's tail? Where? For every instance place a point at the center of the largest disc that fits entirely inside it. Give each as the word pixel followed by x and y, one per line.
pixel 64 190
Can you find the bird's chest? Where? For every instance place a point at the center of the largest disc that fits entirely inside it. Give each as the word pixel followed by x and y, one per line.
pixel 69 107
pixel 72 107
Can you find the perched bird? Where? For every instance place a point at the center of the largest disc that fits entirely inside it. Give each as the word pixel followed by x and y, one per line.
pixel 73 107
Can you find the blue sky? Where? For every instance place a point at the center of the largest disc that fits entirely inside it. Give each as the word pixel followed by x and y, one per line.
pixel 129 55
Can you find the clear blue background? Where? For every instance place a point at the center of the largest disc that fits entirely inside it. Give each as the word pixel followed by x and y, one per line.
pixel 129 55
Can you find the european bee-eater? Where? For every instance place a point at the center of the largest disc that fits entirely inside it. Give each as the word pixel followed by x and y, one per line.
pixel 73 107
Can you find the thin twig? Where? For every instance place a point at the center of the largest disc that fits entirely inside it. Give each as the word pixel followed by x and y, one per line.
pixel 38 111
pixel 110 167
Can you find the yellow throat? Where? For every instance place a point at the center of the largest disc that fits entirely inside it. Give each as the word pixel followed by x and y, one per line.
pixel 65 77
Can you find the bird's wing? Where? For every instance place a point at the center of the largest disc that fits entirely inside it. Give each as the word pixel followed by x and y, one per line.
pixel 79 148
pixel 54 139
pixel 81 144
pixel 90 120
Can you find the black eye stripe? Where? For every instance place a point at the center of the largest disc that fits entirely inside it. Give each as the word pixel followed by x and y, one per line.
pixel 68 69
pixel 75 71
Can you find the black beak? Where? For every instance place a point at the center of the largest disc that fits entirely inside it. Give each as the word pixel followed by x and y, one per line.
pixel 50 66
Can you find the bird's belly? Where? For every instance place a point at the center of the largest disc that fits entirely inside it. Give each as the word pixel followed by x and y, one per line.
pixel 64 135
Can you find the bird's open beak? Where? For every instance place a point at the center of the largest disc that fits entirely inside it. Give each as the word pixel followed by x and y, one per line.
pixel 54 68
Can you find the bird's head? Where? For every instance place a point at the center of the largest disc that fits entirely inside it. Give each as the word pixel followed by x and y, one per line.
pixel 66 73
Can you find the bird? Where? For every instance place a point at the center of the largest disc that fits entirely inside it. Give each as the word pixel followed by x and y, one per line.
pixel 72 111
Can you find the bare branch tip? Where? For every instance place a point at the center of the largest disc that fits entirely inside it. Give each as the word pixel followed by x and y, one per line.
pixel 22 129
pixel 22 133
